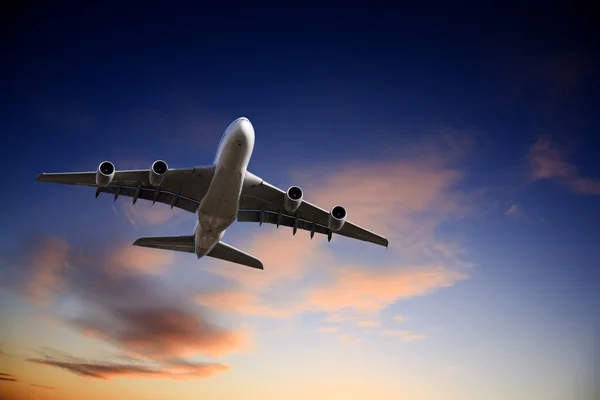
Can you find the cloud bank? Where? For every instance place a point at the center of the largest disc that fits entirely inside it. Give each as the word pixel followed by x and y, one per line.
pixel 548 162
pixel 111 295
pixel 406 199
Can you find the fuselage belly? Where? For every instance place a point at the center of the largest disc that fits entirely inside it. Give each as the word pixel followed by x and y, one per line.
pixel 219 207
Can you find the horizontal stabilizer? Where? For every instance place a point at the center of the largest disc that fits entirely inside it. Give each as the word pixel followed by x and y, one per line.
pixel 175 243
pixel 222 250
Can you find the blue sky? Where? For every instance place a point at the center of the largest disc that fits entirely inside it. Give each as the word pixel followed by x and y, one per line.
pixel 469 137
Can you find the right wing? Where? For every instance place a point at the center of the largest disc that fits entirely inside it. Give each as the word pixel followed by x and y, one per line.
pixel 264 203
pixel 181 188
pixel 222 250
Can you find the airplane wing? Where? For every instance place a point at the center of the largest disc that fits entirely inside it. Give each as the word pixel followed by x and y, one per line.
pixel 222 250
pixel 181 188
pixel 264 203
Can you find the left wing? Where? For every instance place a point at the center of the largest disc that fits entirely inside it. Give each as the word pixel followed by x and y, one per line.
pixel 181 188
pixel 263 202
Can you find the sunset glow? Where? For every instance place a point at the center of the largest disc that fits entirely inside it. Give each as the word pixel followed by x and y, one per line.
pixel 471 151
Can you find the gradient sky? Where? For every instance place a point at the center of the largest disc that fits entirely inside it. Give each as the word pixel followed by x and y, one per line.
pixel 467 138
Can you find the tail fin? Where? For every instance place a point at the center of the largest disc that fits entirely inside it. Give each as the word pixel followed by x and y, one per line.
pixel 222 250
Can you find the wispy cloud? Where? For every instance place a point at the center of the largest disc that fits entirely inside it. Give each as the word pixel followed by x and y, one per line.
pixel 348 340
pixel 123 258
pixel 514 211
pixel 43 386
pixel 7 377
pixel 238 301
pixel 405 336
pixel 140 369
pixel 163 331
pixel 370 292
pixel 140 316
pixel 344 316
pixel 368 323
pixel 327 329
pixel 46 265
pixel 548 162
pixel 400 319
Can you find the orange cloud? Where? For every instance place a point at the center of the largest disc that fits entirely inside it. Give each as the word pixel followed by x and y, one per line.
pixel 405 336
pixel 327 329
pixel 355 288
pixel 49 260
pixel 7 377
pixel 368 323
pixel 547 162
pixel 405 200
pixel 166 332
pixel 286 257
pixel 43 387
pixel 400 319
pixel 343 316
pixel 241 302
pixel 131 258
pixel 131 311
pixel 111 370
pixel 368 291
pixel 390 193
pixel 348 340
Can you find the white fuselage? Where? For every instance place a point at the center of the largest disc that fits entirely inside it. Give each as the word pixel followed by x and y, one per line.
pixel 219 207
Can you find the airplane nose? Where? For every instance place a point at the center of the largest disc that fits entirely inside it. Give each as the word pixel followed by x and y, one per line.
pixel 244 128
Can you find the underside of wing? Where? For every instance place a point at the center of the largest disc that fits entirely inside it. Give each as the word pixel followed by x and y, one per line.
pixel 264 203
pixel 181 188
pixel 351 230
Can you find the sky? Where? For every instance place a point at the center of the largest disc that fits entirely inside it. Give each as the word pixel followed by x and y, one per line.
pixel 467 137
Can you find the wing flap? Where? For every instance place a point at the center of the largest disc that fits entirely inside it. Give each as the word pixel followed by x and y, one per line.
pixel 349 230
pixel 270 217
pixel 158 195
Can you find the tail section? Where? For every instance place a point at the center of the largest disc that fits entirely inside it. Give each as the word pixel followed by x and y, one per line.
pixel 186 244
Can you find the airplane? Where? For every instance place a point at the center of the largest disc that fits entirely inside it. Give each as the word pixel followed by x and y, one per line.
pixel 219 194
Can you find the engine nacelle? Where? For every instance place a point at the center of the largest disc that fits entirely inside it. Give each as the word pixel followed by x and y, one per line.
pixel 337 218
pixel 293 199
pixel 105 173
pixel 158 172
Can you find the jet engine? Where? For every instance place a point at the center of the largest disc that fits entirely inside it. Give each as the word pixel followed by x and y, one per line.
pixel 105 173
pixel 337 218
pixel 293 199
pixel 158 172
